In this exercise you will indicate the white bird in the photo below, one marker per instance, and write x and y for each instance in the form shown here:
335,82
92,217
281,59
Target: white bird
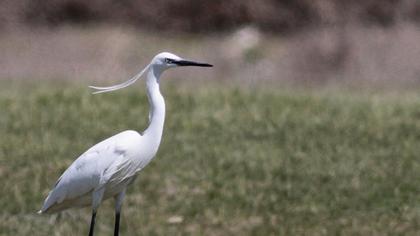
106,169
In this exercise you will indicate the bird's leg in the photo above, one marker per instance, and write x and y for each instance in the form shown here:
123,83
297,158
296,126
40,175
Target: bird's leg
118,204
117,224
96,200
92,223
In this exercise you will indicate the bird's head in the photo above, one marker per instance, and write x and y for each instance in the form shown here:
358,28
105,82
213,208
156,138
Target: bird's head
166,60
159,63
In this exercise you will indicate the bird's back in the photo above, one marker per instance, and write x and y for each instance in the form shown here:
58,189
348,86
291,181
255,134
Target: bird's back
105,165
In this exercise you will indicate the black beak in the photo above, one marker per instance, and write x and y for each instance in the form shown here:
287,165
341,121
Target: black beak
191,63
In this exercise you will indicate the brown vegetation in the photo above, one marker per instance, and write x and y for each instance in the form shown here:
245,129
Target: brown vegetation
208,16
303,40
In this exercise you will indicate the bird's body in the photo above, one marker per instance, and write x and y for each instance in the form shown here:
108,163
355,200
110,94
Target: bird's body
111,164
106,169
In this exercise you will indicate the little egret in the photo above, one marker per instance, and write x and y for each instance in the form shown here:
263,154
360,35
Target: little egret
106,169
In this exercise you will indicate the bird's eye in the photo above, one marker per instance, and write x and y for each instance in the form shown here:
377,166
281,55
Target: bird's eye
169,61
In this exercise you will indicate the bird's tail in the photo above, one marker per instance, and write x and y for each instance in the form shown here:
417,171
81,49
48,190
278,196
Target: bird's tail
45,207
49,201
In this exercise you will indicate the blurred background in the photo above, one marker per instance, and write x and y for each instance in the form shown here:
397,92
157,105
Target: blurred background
272,40
309,123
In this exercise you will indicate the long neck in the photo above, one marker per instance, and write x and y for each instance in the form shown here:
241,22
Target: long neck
157,107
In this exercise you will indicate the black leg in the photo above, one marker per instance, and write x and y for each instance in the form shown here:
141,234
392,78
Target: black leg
118,204
92,223
117,224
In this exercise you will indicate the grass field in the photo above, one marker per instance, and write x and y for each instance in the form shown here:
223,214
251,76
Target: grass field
233,161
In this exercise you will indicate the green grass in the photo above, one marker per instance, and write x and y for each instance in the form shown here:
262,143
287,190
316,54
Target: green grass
233,161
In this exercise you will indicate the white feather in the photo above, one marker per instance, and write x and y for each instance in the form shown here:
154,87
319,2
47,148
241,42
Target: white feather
107,168
105,165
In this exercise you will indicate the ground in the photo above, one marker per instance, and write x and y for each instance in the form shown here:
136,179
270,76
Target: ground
234,160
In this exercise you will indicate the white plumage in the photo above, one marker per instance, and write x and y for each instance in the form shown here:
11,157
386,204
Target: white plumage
106,169
110,164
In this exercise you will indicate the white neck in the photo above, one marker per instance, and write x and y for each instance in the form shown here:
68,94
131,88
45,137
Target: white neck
157,107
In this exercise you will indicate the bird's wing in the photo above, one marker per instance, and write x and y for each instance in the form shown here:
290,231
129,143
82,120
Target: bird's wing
92,169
